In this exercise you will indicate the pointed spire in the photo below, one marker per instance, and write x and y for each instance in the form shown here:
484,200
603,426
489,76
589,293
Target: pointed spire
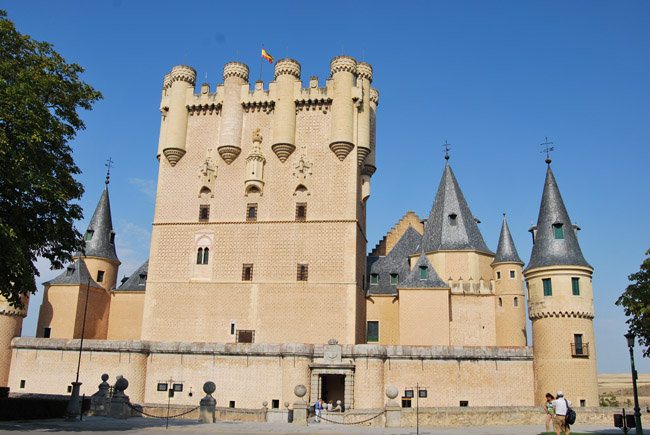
451,224
555,239
506,251
100,237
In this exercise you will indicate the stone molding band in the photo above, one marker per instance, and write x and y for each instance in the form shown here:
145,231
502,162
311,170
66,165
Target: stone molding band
577,314
287,67
235,69
323,221
183,73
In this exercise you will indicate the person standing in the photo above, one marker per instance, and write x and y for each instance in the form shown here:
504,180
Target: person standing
560,407
549,411
318,408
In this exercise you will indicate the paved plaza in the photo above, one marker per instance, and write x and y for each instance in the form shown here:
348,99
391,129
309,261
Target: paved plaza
152,426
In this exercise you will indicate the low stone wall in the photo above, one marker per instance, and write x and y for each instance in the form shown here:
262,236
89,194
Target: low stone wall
239,414
161,411
360,417
495,416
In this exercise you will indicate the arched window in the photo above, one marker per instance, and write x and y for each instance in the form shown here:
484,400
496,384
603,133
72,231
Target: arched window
516,302
206,255
199,256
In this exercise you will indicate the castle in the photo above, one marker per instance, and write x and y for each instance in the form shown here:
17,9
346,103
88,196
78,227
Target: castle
260,211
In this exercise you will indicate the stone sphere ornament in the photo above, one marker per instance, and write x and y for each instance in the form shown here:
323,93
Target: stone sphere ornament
300,390
104,377
286,404
121,384
209,387
265,404
392,392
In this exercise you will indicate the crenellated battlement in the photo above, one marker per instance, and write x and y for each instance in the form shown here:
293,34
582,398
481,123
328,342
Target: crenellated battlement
235,69
287,67
471,287
364,71
343,64
182,73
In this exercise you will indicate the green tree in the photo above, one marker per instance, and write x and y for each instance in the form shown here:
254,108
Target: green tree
636,303
39,96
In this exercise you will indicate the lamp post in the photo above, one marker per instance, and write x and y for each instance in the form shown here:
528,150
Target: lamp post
637,411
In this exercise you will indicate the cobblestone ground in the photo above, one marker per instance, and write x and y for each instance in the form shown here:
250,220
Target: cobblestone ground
153,426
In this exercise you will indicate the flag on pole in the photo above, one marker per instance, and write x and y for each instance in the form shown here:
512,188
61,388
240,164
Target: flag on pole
267,56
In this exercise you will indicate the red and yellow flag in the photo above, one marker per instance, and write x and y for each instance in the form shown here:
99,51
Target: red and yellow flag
267,56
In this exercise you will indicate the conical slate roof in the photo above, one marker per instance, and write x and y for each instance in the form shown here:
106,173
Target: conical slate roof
451,224
102,243
414,278
137,282
547,249
506,251
397,261
76,273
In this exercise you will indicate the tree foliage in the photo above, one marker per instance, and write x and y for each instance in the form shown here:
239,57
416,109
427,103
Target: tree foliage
636,303
39,96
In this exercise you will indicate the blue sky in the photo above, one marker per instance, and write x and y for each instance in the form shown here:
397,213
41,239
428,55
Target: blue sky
494,78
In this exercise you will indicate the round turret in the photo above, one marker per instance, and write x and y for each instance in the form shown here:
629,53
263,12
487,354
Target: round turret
287,67
182,80
343,70
235,75
183,73
364,71
374,96
343,64
235,69
287,73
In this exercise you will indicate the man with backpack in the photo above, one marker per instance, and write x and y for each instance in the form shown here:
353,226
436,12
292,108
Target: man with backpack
562,407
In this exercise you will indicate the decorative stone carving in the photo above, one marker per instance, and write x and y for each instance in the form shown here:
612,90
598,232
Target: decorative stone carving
228,153
283,150
302,170
341,149
364,71
343,63
167,81
374,95
235,69
173,155
183,73
362,153
208,175
255,165
332,352
287,66
368,170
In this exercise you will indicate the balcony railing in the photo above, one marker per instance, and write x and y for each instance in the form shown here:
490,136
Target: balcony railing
580,350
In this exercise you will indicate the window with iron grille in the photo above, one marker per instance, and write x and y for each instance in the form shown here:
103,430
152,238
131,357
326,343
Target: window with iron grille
245,336
247,272
301,211
372,331
204,213
303,272
251,212
578,348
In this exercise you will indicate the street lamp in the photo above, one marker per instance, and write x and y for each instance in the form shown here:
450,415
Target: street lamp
637,411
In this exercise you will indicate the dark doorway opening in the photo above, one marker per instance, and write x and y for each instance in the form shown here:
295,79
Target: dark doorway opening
332,388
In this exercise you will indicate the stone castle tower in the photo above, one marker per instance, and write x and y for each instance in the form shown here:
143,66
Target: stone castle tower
11,325
561,305
259,227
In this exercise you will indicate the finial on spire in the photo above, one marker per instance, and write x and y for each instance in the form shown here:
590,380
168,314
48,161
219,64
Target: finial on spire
109,165
447,148
547,149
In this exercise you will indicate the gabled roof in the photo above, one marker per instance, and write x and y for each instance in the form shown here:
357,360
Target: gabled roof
101,226
75,273
397,261
137,282
441,232
547,250
506,251
414,280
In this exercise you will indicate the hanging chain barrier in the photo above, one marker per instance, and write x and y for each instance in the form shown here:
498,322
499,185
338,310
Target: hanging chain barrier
163,417
354,422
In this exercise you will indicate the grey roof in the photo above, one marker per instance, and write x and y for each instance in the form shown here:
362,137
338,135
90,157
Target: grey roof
75,273
102,227
547,250
439,233
137,282
397,261
506,251
413,279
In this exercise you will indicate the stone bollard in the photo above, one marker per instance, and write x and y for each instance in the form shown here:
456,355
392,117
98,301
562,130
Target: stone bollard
100,402
208,404
119,402
74,409
393,410
300,406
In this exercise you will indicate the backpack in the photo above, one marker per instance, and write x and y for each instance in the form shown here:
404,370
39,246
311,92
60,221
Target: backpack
570,414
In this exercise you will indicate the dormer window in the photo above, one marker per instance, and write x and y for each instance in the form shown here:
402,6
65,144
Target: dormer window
394,278
89,235
112,238
374,278
142,279
69,271
423,272
558,231
453,219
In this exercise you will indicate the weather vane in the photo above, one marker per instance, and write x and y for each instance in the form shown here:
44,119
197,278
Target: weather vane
547,149
447,148
109,165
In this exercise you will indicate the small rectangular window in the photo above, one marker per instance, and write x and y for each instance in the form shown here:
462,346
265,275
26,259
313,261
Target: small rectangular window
515,302
548,289
453,221
22,383
247,272
583,403
394,278
575,284
558,231
275,404
89,235
204,213
464,403
513,275
231,404
69,271
498,274
245,336
142,279
69,388
251,212
372,331
100,276
112,238
232,328
303,272
577,338
374,279
301,211
47,332
406,403
423,272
